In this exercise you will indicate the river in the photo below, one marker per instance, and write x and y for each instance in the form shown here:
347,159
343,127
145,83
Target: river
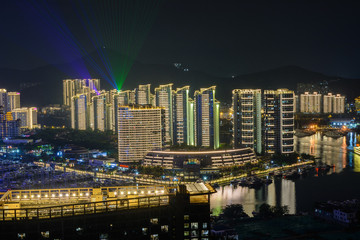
342,183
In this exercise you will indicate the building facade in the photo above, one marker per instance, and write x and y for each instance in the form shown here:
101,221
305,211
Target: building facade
13,100
27,115
246,104
143,94
310,102
279,121
72,87
183,115
140,129
79,112
206,118
164,99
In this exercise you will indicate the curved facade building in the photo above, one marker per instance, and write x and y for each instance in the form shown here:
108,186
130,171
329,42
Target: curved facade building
206,159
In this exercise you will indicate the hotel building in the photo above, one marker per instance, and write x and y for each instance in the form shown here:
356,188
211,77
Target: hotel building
164,99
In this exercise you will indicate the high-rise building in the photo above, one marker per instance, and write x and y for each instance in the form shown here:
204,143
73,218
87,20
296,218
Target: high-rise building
206,118
334,103
163,97
246,104
27,116
140,129
98,113
339,104
183,117
279,121
13,100
72,87
79,112
9,128
310,102
143,94
4,100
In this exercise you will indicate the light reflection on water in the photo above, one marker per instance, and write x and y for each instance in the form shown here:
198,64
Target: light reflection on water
282,192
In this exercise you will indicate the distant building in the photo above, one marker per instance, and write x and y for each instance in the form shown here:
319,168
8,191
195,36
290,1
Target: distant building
357,104
9,128
183,117
334,103
98,113
140,129
72,87
143,95
13,100
310,102
27,115
279,121
164,99
79,112
246,104
4,100
206,118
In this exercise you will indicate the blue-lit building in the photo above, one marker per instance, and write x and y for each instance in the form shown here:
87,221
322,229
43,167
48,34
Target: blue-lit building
206,118
343,122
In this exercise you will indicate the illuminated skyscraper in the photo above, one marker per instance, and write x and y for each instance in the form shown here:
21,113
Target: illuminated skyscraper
4,100
163,97
72,87
246,104
143,95
98,113
140,129
183,117
206,118
310,102
9,128
79,112
27,116
279,121
13,100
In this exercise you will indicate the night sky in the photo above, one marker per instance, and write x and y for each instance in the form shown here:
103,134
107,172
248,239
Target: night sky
222,38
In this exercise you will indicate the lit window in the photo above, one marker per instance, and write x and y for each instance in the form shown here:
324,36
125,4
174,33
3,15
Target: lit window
194,225
154,237
194,233
154,220
186,217
45,234
165,228
205,233
186,225
186,233
204,226
144,231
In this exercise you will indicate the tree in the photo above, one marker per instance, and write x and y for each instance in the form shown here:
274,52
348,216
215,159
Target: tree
234,211
265,211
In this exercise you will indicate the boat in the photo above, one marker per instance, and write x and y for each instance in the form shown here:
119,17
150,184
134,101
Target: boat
333,134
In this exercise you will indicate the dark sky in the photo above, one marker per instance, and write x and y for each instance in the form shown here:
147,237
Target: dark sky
223,37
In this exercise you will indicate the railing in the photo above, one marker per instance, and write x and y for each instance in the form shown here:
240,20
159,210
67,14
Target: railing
79,209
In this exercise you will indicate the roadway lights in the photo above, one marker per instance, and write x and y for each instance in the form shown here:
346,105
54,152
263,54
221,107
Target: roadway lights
25,196
122,193
53,195
67,195
74,194
32,196
18,196
60,195
156,191
149,192
38,196
134,192
142,192
81,194
129,192
162,191
115,193
87,194
46,195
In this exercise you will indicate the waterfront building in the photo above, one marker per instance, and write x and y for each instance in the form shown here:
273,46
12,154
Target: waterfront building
143,94
206,118
310,102
279,121
27,115
192,164
72,87
140,129
79,112
334,103
357,104
183,116
13,100
164,99
117,212
246,104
